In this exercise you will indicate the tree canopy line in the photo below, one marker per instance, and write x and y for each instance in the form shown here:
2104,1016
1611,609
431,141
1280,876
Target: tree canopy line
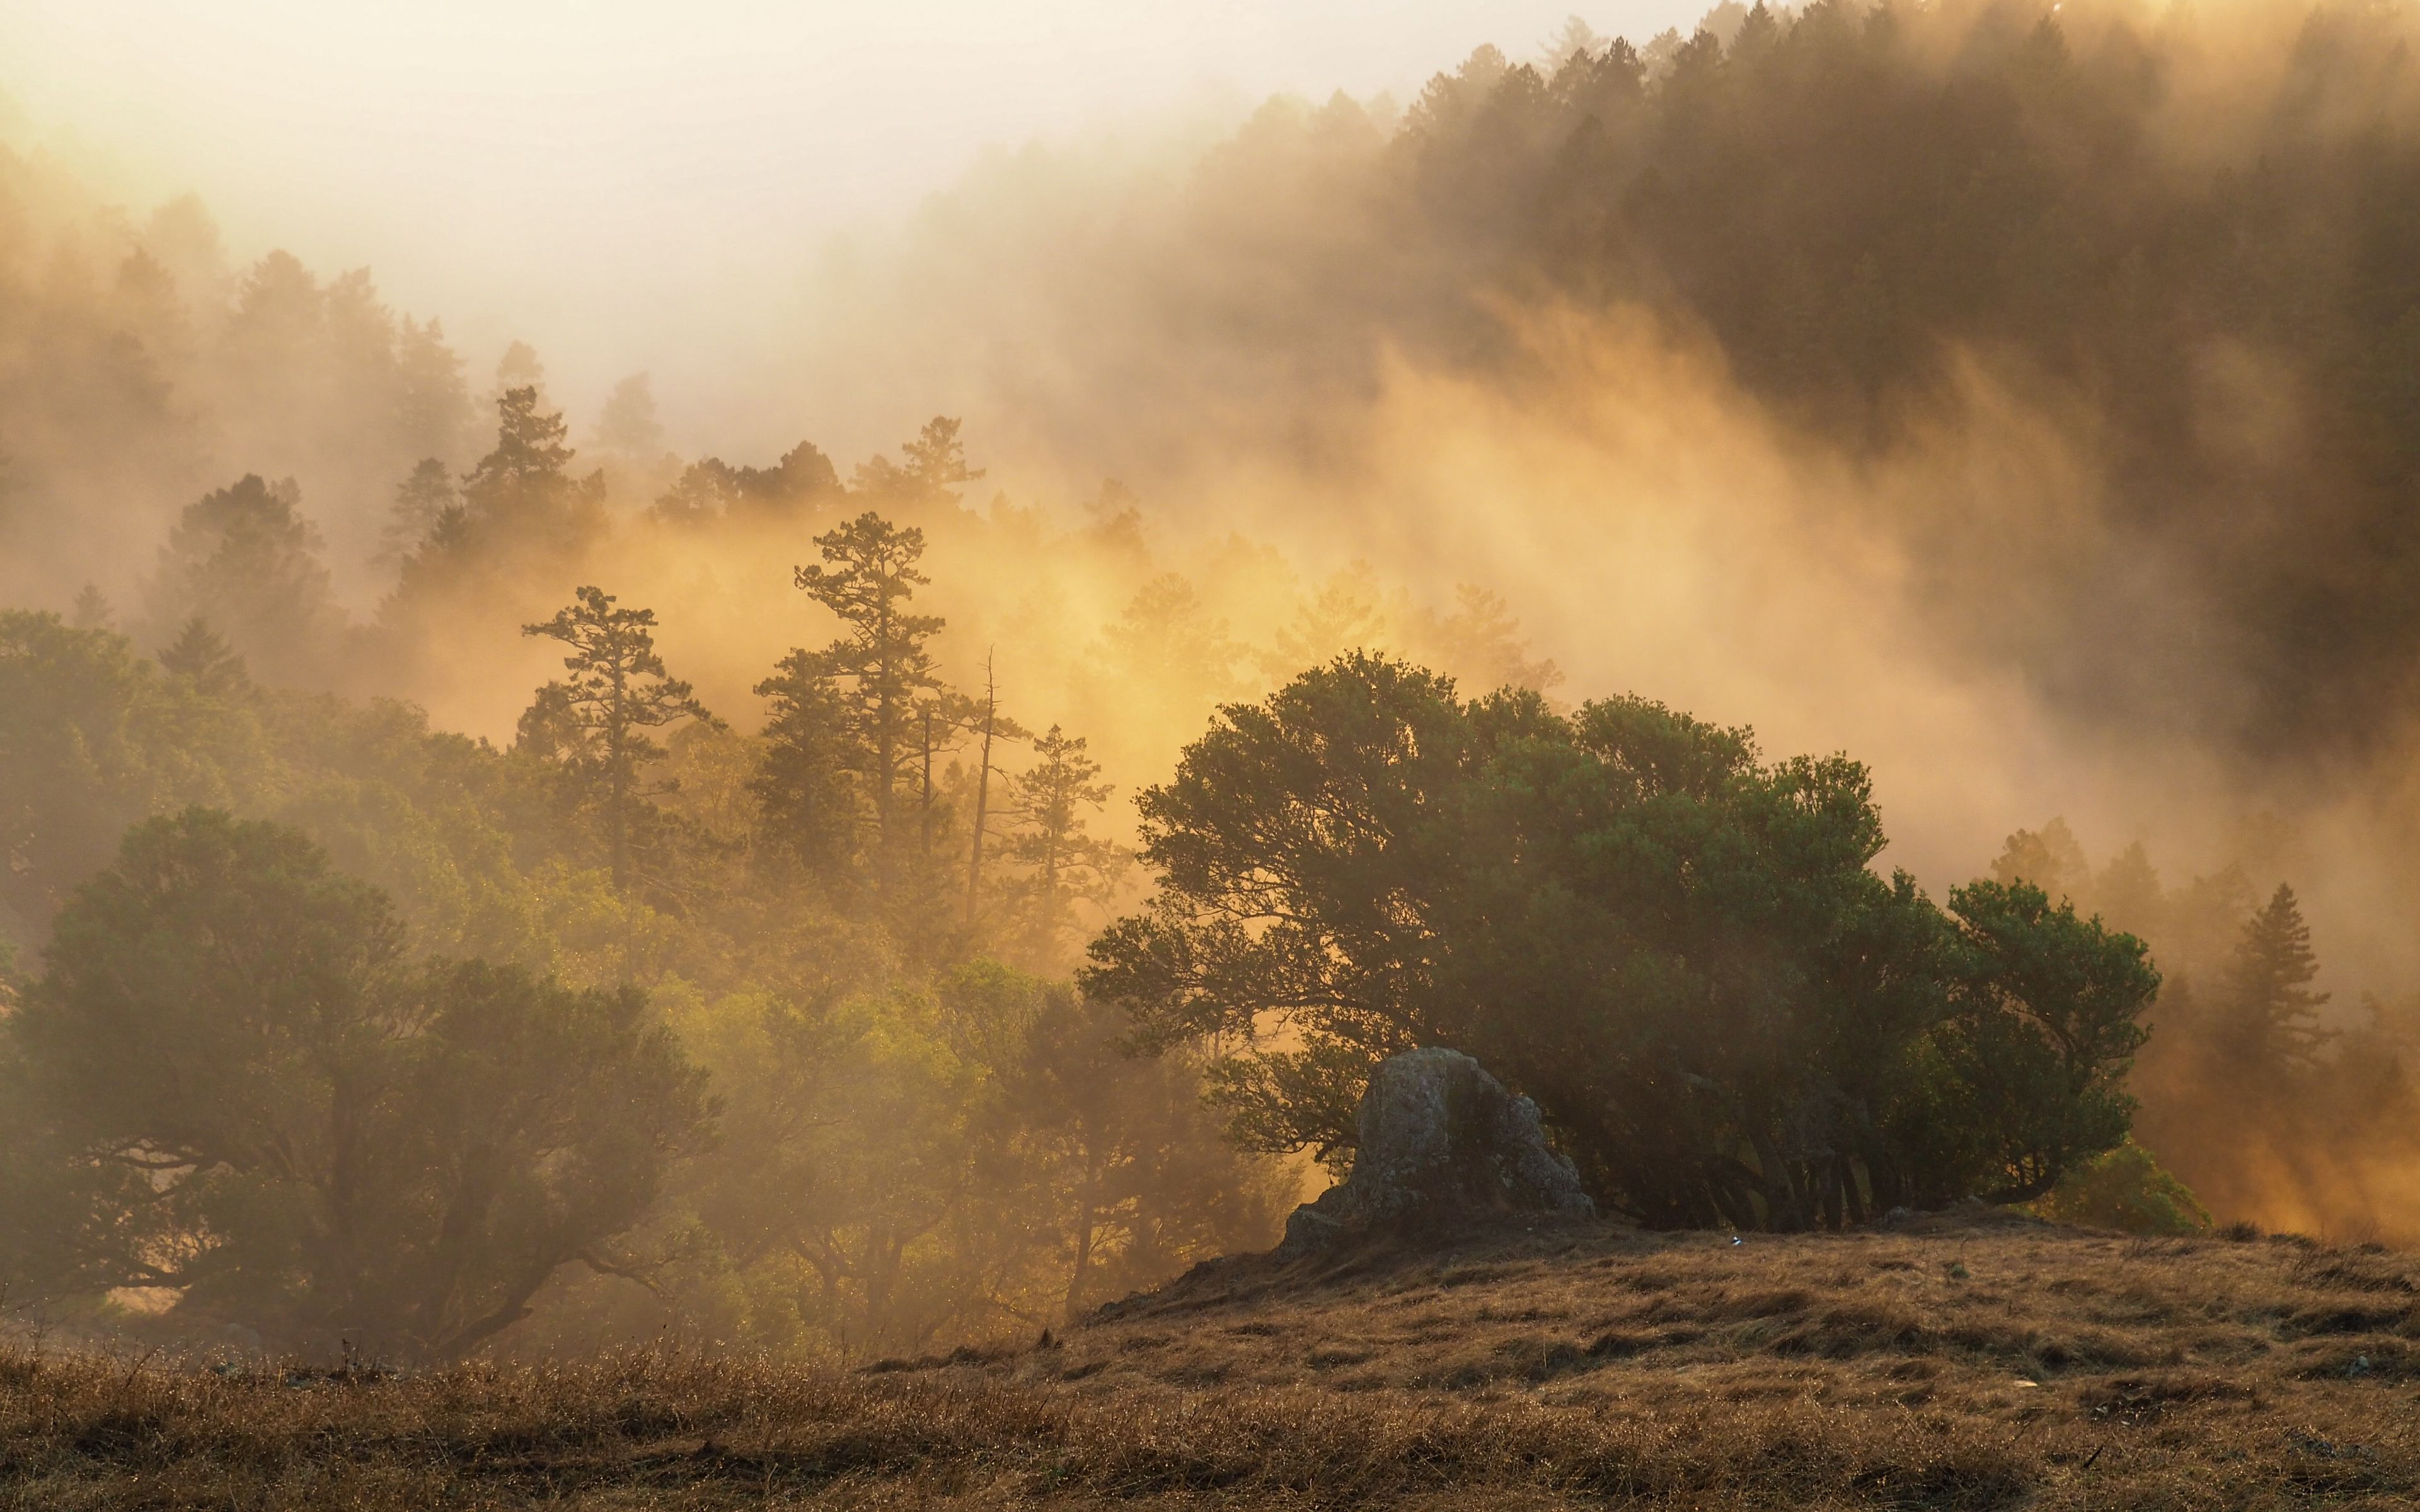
849,1109
2122,292
1679,950
2172,220
648,1019
757,1019
2264,1099
2175,236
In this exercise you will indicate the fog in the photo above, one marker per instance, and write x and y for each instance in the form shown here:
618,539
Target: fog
627,186
2018,399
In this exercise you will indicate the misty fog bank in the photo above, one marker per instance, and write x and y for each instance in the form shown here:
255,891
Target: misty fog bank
2023,404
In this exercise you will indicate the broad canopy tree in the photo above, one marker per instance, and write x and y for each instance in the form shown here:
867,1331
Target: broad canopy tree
230,1071
1679,949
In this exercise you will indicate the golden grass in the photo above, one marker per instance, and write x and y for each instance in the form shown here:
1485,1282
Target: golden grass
1990,1363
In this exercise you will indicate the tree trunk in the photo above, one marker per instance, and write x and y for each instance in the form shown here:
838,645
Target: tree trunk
983,793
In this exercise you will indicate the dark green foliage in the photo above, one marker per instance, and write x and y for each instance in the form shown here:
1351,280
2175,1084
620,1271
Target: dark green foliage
596,725
2044,1009
875,671
809,784
270,1112
1677,950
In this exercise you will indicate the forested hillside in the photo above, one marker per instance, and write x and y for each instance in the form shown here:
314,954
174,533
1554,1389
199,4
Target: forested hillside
483,873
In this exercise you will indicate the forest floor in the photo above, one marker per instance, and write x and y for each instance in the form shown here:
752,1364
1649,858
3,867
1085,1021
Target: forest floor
1978,1362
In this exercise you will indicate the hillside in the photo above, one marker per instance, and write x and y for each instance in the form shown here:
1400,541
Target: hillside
1979,1362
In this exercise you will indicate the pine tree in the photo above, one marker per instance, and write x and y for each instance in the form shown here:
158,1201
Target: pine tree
1480,643
520,368
929,469
2270,1019
879,666
246,559
627,424
808,786
93,610
520,497
935,460
433,404
703,492
1053,795
420,500
618,692
529,461
199,656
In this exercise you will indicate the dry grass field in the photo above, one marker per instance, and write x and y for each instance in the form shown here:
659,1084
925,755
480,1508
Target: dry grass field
1983,1363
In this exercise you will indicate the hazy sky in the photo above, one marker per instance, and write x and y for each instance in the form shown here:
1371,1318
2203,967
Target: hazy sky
564,169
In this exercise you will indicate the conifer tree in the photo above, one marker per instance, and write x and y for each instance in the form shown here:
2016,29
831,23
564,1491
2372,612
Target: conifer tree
93,610
246,559
807,786
627,424
529,460
879,664
421,500
2271,1016
433,404
2050,858
618,692
1054,794
199,656
930,468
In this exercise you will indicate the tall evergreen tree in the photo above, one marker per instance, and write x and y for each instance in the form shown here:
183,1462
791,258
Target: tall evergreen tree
2270,1025
930,469
1053,794
808,786
879,664
529,463
246,559
627,424
618,692
93,610
434,404
201,658
421,500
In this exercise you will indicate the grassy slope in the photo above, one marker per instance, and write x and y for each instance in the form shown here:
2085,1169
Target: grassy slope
1982,1365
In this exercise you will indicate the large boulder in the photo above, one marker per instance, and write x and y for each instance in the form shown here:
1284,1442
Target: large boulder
1443,1147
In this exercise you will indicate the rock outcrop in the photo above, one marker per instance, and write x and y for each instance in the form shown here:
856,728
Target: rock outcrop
1443,1147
